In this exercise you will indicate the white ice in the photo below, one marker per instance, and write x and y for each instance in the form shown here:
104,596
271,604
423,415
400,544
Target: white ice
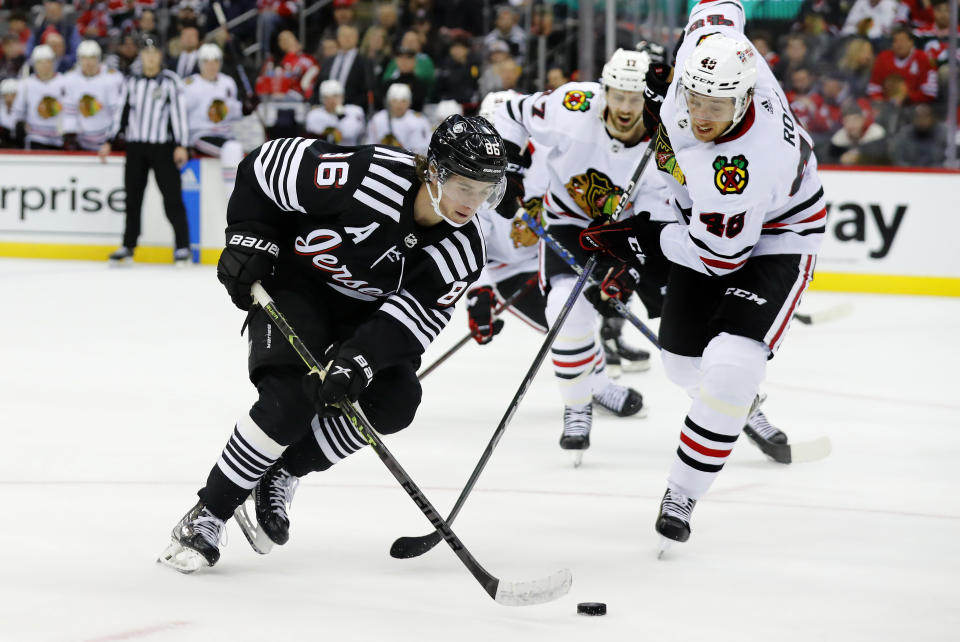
119,387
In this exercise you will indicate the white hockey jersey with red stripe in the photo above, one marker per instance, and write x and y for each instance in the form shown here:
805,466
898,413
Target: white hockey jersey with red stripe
753,191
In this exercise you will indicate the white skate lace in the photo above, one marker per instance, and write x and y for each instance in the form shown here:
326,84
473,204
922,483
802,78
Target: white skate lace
576,423
759,423
210,528
612,397
677,505
282,487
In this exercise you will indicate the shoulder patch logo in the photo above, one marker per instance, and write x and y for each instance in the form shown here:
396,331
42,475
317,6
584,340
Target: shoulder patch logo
666,159
576,100
410,240
731,176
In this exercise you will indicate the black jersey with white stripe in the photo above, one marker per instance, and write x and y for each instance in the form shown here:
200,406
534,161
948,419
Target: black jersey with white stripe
343,218
153,110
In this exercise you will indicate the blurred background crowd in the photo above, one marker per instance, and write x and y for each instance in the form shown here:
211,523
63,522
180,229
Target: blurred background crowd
869,79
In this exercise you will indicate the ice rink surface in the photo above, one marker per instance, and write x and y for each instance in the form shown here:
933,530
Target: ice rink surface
119,387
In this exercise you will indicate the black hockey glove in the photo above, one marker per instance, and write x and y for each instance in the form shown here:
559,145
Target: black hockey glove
348,374
70,143
481,306
626,241
657,52
657,82
249,256
602,305
620,282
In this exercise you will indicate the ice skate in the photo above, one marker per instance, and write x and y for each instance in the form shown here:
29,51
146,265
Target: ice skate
771,441
673,522
181,257
271,498
620,400
195,541
576,431
626,357
614,366
121,256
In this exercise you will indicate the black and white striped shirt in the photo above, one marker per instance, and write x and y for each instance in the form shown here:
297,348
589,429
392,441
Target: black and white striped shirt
154,110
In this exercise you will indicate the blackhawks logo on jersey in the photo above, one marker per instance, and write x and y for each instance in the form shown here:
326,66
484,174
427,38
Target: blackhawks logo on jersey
89,106
666,159
391,141
331,135
576,100
731,176
594,193
217,111
49,107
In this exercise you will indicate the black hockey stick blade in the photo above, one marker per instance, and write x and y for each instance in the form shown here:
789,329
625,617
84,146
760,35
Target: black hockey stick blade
404,548
830,314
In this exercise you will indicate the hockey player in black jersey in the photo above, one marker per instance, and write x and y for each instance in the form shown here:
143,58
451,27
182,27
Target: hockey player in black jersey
366,250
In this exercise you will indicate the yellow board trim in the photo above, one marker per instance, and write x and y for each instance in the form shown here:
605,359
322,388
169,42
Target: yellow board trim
886,284
96,252
823,281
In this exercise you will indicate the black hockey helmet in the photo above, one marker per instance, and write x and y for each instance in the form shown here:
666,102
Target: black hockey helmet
470,147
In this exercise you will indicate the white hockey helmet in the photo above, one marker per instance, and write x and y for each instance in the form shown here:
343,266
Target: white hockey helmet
9,86
490,102
42,52
331,87
88,49
209,51
444,109
722,67
626,70
399,91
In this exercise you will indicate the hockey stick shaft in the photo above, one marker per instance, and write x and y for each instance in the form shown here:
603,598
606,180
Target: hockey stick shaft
489,583
569,259
411,547
463,341
241,72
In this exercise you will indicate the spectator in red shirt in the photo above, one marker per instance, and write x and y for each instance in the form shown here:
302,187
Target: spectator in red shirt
916,13
276,15
17,25
804,102
762,41
835,92
904,60
293,78
935,36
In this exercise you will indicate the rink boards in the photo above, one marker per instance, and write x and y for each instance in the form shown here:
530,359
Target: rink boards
889,230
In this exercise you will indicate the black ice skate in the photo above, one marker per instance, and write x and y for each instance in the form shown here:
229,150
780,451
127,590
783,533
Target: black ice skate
619,400
272,497
195,541
771,441
576,431
121,256
181,256
626,357
673,522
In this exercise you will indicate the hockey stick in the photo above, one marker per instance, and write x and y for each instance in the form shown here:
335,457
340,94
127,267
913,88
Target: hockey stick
507,593
462,342
568,258
830,314
406,547
241,72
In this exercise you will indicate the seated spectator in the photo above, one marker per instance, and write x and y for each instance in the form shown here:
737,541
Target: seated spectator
375,49
859,141
556,77
857,64
462,15
64,60
188,14
17,26
332,120
348,67
490,80
832,12
804,102
423,68
918,14
13,57
126,56
430,42
276,15
387,19
908,62
922,142
509,72
458,73
328,48
146,25
293,78
93,21
404,65
835,92
54,21
398,125
795,54
934,38
184,52
763,43
871,19
507,30
8,120
890,111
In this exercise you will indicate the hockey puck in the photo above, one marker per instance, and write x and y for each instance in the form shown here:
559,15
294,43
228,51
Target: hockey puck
591,608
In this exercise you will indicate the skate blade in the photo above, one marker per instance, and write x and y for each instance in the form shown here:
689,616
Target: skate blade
251,530
614,372
665,545
635,366
120,263
182,559
577,458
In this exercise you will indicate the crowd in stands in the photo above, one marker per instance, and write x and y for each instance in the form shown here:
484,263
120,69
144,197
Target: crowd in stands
867,78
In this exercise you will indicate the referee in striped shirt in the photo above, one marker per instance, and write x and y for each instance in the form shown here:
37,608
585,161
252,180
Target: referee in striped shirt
153,119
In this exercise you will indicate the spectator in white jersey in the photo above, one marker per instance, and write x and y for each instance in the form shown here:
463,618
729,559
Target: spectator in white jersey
152,117
212,106
334,121
398,125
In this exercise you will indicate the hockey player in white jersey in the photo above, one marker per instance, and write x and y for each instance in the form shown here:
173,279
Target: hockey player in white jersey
213,106
8,121
333,121
596,137
93,92
398,125
751,214
40,103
